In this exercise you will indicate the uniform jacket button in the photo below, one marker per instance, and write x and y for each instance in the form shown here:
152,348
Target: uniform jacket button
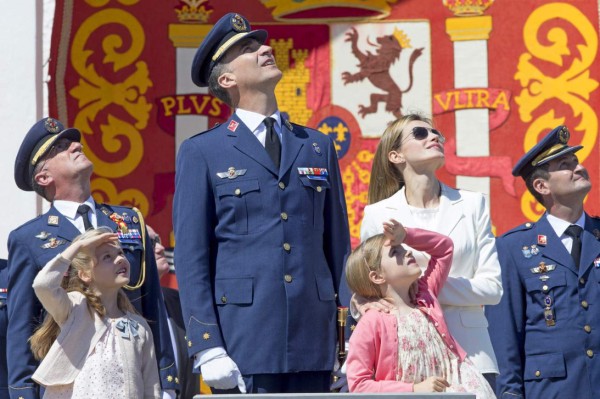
287,246
287,278
223,299
538,373
282,185
590,353
584,304
587,328
284,216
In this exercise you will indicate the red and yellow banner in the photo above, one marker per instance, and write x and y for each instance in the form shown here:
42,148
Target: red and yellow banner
496,76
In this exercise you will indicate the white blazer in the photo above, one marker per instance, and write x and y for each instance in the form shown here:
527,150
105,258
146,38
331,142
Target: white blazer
474,279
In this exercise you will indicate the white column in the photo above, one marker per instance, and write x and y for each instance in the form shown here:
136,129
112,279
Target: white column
186,38
470,35
21,103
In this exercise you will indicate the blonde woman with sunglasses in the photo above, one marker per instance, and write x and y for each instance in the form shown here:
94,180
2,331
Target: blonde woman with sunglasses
404,187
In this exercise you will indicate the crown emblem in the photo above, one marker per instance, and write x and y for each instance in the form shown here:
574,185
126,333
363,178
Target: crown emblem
193,11
468,8
344,9
402,38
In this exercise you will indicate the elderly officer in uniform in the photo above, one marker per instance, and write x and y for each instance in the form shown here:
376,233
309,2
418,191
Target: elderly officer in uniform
546,329
51,162
261,228
3,326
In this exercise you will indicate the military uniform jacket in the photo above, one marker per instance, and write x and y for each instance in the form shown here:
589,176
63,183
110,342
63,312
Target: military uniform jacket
546,329
259,251
3,326
35,243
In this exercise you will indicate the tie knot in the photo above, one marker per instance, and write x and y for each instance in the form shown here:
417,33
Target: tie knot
269,122
83,209
573,231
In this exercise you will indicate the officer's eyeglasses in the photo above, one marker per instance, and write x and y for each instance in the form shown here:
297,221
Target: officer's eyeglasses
422,132
58,147
155,240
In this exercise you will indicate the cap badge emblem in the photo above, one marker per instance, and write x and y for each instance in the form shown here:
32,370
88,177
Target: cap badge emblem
51,125
564,135
238,23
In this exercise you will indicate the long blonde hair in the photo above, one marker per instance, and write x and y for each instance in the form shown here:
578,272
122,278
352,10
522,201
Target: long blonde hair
363,260
45,335
386,179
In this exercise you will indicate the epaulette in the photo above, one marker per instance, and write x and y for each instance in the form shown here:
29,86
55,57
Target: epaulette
522,227
205,131
29,222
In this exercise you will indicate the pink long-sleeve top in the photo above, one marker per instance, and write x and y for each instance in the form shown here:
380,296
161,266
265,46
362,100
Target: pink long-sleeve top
372,364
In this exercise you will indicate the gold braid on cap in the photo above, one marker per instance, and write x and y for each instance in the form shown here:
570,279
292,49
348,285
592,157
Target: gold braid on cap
228,44
550,151
142,277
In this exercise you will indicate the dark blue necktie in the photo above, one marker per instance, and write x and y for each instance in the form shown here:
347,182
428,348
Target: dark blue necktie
272,143
574,232
84,211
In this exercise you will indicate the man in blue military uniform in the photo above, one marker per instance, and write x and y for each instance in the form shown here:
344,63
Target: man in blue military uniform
545,331
261,229
3,326
51,162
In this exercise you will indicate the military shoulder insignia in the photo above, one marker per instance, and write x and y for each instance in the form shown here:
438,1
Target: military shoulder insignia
231,173
43,235
232,126
52,243
53,220
542,268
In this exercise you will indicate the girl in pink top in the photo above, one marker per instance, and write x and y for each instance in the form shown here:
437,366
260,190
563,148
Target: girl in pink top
410,348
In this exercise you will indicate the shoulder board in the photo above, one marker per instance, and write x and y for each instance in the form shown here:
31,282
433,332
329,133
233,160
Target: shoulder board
217,125
523,227
35,219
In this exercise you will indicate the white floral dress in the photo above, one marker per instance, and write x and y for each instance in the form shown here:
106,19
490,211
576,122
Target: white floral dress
422,354
102,375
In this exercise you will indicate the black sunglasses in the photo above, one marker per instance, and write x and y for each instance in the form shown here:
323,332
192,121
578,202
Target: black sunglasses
422,132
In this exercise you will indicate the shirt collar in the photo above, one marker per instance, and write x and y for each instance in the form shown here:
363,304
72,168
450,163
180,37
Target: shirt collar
560,225
254,120
69,208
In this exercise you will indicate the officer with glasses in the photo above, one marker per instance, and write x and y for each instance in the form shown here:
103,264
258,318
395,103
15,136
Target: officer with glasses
51,162
546,329
404,187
